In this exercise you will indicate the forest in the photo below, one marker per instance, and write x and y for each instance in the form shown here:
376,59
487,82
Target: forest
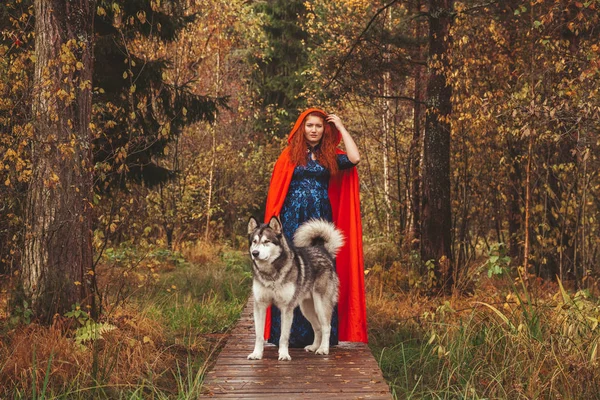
137,137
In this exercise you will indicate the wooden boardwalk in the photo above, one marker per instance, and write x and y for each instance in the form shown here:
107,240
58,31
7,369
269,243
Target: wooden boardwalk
348,372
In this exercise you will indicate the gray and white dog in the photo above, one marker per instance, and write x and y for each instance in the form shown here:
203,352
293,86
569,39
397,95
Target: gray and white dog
289,275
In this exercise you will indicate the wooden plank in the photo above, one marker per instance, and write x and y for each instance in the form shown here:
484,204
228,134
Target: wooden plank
349,371
332,396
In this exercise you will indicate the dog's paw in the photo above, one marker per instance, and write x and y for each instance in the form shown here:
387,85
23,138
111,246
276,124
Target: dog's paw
311,348
322,350
285,356
255,356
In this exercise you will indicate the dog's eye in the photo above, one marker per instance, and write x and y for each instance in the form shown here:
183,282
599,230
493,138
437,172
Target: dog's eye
255,241
266,241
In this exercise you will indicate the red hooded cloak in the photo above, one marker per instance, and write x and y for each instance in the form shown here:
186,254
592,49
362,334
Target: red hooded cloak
345,206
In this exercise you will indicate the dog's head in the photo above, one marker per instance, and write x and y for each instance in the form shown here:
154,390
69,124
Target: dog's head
265,240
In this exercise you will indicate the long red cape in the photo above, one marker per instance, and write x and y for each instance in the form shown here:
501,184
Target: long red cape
345,205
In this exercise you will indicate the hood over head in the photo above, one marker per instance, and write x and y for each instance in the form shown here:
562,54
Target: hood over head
298,126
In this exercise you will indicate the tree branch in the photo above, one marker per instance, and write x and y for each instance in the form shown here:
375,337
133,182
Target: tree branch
404,98
355,44
475,8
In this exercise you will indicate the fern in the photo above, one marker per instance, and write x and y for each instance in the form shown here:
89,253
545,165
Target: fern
92,331
89,330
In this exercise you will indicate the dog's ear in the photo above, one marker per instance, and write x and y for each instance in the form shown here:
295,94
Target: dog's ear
252,224
275,224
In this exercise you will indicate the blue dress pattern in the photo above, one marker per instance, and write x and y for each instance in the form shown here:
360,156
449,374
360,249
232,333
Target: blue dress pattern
307,198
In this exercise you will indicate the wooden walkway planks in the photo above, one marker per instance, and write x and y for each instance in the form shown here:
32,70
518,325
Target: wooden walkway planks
348,372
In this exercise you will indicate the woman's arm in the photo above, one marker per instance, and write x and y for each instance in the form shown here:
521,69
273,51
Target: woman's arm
351,148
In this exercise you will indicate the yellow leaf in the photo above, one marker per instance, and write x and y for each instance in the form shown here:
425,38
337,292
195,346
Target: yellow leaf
441,351
77,283
432,338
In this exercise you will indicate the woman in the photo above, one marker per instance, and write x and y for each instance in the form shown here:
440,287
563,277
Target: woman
314,179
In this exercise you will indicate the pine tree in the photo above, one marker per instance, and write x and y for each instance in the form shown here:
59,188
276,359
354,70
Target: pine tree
278,77
136,111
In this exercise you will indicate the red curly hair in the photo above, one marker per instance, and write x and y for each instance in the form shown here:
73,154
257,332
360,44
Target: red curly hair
326,155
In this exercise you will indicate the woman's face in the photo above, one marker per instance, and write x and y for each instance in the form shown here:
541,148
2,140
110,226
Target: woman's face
313,129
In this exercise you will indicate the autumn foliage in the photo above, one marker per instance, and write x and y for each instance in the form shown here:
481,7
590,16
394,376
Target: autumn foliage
490,121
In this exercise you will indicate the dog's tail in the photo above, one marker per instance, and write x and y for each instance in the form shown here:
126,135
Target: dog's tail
319,232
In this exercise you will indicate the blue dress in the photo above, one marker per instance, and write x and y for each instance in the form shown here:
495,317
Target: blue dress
307,198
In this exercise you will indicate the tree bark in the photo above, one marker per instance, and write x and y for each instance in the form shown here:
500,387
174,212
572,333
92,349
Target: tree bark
514,145
385,123
436,213
415,148
57,270
514,148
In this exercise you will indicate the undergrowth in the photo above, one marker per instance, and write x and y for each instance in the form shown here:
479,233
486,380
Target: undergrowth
506,340
165,316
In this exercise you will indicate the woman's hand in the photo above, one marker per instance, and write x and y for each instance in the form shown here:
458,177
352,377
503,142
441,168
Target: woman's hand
351,149
337,121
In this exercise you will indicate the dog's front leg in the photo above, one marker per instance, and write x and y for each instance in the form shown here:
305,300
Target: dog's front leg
260,314
287,316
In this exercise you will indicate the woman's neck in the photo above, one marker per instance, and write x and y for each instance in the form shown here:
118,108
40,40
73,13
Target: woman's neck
311,149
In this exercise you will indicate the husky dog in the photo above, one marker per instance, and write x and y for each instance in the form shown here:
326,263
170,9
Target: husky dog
290,275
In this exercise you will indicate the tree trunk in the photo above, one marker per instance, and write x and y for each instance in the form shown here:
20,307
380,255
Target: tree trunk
514,148
415,150
57,265
385,120
527,222
514,145
436,212
211,173
213,152
386,116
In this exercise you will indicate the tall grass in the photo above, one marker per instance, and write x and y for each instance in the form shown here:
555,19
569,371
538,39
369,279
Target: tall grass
499,344
171,313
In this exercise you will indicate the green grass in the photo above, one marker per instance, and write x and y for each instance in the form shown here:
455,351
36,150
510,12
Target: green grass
167,332
199,299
